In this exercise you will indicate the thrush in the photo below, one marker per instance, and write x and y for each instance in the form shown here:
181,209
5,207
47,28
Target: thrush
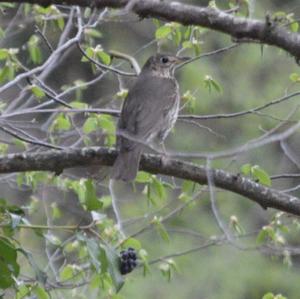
148,114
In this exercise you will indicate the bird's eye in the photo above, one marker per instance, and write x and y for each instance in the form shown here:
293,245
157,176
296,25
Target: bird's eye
164,59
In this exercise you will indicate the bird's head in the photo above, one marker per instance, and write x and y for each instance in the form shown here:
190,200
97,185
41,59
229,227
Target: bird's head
163,65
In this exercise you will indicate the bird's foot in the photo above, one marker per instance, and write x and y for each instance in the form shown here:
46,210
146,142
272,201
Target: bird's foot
164,157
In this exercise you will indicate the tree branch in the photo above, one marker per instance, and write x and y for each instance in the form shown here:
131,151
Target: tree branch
58,160
265,32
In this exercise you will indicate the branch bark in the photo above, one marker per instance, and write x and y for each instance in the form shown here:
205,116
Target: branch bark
58,160
266,32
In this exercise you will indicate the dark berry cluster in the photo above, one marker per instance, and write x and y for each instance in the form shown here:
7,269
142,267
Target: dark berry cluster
128,260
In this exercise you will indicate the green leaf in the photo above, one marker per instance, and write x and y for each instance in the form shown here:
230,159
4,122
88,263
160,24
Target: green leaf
105,259
67,273
3,54
261,237
216,86
6,279
187,44
4,73
122,94
187,33
37,91
184,197
93,32
156,22
60,23
267,232
56,212
7,5
163,32
8,263
246,169
261,175
34,50
8,252
87,12
161,229
294,77
159,188
197,50
35,54
173,265
20,144
165,270
133,243
45,10
61,123
178,36
11,72
167,267
190,101
210,84
91,200
272,296
143,255
268,296
104,57
114,267
107,124
89,52
106,201
71,246
95,282
143,177
94,253
79,105
188,186
40,292
23,291
234,222
294,26
3,148
90,125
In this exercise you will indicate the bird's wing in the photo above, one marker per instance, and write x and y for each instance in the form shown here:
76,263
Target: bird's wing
145,106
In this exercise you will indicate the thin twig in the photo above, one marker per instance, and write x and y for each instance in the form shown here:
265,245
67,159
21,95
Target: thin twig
42,35
29,140
103,66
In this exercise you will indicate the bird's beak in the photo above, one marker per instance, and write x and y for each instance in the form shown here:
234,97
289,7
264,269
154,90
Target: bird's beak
181,61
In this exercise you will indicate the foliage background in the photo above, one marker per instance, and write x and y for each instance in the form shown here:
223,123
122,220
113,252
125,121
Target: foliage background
249,76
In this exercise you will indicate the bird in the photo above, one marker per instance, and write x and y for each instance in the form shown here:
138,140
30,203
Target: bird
149,112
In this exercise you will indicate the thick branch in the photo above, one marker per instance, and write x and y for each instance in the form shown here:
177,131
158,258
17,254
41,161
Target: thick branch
58,160
265,32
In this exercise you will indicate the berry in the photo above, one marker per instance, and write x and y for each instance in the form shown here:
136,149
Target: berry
124,269
124,255
132,255
127,260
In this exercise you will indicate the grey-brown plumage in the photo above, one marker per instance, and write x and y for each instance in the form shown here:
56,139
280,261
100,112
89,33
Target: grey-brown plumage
149,112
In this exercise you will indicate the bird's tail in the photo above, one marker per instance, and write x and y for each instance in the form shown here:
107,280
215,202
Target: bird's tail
126,165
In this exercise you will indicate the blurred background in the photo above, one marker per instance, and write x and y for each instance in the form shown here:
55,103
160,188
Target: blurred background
238,79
